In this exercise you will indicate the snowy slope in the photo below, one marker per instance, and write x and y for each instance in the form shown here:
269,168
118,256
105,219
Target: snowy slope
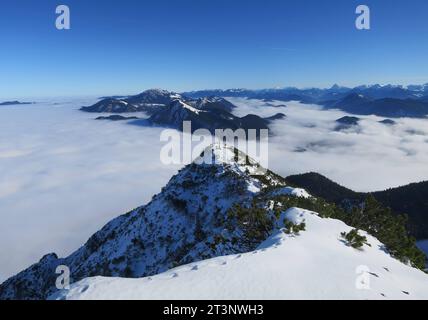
313,265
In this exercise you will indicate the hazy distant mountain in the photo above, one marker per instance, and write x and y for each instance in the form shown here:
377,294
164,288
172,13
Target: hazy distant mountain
387,91
333,93
411,199
14,103
117,117
267,94
111,106
381,100
353,100
113,97
347,123
387,107
388,122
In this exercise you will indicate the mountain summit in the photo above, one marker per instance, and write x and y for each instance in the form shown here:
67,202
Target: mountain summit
186,222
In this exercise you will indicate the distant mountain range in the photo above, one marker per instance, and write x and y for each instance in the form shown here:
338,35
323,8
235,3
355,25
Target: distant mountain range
14,103
381,100
411,199
336,92
386,100
170,109
386,107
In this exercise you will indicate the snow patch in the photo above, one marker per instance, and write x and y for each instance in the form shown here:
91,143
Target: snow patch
289,191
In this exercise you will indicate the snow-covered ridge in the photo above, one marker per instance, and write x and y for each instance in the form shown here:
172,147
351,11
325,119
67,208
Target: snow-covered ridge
313,265
186,222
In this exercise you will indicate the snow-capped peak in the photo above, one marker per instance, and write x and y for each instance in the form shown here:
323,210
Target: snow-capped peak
221,153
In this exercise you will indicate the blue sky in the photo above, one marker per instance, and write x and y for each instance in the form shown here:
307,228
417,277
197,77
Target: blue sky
124,47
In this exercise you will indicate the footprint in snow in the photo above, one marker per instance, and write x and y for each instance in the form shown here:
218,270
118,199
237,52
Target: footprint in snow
405,292
175,275
374,274
224,263
195,268
239,256
386,269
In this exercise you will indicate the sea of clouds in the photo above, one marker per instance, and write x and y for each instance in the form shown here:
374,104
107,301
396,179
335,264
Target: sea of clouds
370,157
64,175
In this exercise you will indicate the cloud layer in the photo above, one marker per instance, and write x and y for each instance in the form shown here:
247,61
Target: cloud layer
64,175
370,157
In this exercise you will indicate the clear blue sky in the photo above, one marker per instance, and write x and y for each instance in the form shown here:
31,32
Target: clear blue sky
126,46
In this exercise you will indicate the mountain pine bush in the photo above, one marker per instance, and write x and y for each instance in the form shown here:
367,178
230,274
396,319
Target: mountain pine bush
292,228
372,217
388,228
256,223
354,239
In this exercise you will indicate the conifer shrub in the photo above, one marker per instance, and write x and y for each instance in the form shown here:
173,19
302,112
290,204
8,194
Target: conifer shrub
292,228
389,229
255,222
354,239
372,217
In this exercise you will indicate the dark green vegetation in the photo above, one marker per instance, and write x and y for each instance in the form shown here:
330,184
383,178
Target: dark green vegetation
255,222
370,216
411,200
293,228
354,239
388,228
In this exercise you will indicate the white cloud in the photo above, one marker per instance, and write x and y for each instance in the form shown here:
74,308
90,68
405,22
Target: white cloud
64,175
